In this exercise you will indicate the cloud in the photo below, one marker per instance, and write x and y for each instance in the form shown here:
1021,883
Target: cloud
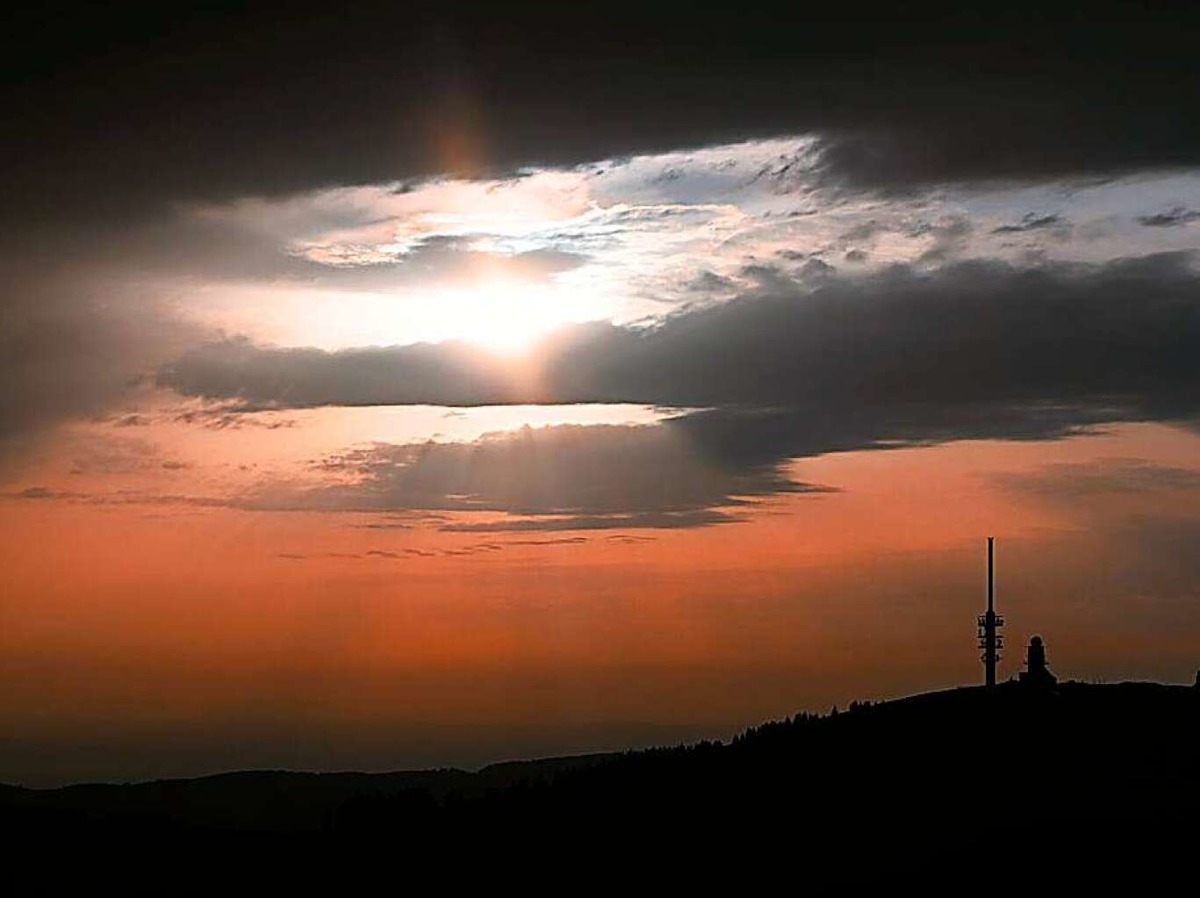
1171,218
405,92
458,552
222,418
341,239
90,311
659,520
44,492
116,497
435,374
882,356
793,368
565,477
71,345
553,478
1100,477
1033,221
934,136
132,420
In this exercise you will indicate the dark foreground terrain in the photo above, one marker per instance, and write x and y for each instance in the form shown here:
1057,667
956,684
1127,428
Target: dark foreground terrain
961,790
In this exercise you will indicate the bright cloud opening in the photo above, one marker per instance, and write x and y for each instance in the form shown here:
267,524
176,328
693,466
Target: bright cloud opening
502,316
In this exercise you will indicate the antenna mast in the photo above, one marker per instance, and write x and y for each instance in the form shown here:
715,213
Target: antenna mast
990,642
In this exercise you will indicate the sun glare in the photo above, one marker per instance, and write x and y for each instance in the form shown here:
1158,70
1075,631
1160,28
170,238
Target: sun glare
501,315
505,316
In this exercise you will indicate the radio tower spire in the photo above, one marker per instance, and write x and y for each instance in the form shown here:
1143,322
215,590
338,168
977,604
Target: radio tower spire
990,642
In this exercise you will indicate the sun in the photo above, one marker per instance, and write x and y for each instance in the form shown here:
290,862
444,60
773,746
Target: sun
506,316
501,315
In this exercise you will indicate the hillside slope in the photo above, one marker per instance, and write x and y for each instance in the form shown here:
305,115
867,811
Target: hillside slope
1088,785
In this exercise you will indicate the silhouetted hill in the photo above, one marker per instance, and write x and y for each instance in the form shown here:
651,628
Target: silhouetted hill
272,800
1091,785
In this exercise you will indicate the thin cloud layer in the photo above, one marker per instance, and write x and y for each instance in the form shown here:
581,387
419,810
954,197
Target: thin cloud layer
1100,478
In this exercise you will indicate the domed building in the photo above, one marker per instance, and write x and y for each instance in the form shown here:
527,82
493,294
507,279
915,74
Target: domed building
1036,673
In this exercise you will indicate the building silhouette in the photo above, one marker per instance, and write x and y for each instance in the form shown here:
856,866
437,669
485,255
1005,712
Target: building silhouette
1036,673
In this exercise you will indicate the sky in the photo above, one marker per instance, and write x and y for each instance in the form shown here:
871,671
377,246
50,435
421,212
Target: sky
384,389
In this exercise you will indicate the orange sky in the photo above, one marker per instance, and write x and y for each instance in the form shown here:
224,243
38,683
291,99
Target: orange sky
195,635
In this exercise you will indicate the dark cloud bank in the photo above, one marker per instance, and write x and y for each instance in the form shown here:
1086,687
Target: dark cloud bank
972,350
1055,345
69,344
116,109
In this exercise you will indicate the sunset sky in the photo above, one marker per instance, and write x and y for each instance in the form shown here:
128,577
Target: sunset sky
385,389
